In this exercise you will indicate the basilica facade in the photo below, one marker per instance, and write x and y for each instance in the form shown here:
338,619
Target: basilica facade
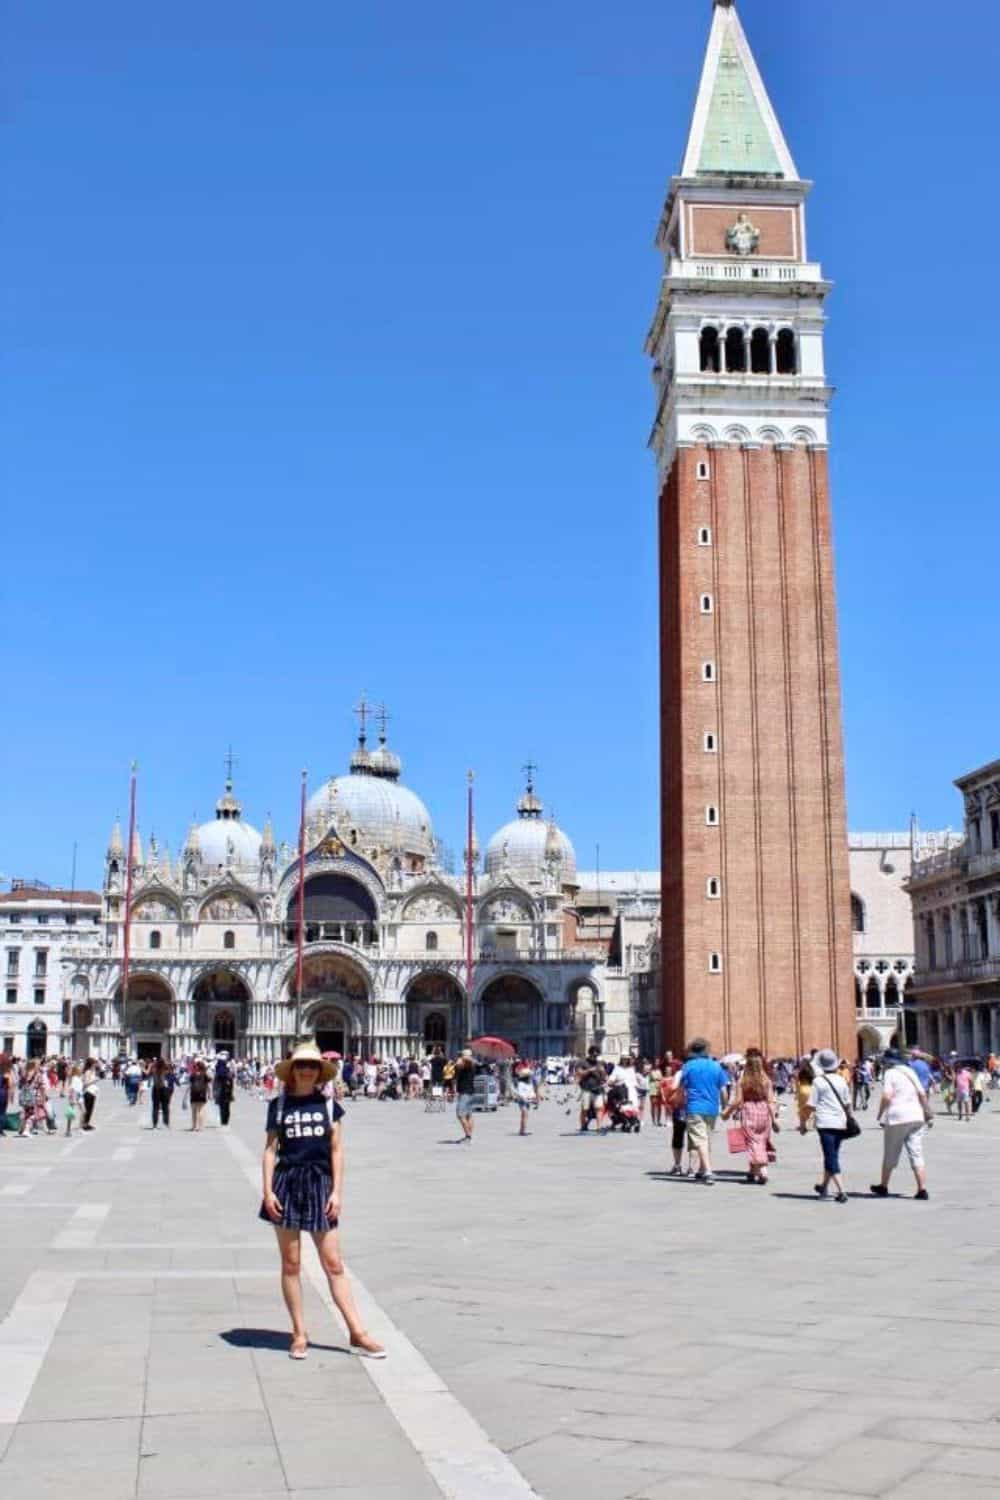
214,935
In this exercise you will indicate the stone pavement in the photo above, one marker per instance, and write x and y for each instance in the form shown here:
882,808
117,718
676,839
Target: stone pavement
561,1317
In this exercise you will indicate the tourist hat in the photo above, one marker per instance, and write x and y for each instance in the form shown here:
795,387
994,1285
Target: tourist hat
827,1060
305,1052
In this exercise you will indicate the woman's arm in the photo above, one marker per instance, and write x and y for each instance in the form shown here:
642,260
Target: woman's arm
271,1203
337,1171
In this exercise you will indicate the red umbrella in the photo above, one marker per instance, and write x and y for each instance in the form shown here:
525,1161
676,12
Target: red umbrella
493,1047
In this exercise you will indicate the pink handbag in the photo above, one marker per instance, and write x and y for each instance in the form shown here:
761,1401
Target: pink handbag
737,1138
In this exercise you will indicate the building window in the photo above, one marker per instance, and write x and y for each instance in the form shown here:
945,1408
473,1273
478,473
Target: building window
13,962
708,671
787,353
41,963
12,997
39,997
713,888
715,963
42,919
154,939
857,913
704,536
703,470
760,352
71,919
711,743
15,916
431,942
995,829
736,351
706,604
229,940
8,1045
712,816
711,353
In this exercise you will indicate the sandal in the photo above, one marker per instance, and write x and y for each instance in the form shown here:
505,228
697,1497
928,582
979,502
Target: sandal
299,1348
366,1346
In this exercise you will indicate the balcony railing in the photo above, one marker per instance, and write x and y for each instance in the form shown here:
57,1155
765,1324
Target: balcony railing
746,270
969,971
354,934
887,1013
987,863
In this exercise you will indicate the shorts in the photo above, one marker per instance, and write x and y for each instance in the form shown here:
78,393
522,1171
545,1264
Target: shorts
830,1142
463,1106
589,1101
699,1127
678,1133
896,1137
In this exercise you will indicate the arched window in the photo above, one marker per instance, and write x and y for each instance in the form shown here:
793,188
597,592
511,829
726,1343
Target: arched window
154,939
787,353
708,671
713,888
229,940
710,351
736,351
712,816
715,963
760,352
704,536
711,743
706,604
857,913
431,942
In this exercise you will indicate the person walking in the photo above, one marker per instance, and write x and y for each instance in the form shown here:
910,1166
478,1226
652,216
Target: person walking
830,1106
198,1095
752,1099
705,1083
804,1080
465,1090
655,1094
303,1182
91,1089
222,1087
524,1093
963,1091
74,1097
161,1090
980,1083
906,1111
593,1081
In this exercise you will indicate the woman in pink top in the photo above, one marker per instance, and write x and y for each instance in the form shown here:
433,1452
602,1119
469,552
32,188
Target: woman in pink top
963,1092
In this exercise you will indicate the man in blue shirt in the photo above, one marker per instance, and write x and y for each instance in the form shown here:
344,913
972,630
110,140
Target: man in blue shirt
920,1066
704,1082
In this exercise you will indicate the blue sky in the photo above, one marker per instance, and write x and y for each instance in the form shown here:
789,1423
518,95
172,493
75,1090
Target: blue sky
324,330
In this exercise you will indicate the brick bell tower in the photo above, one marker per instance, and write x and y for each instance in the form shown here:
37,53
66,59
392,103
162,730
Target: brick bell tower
757,945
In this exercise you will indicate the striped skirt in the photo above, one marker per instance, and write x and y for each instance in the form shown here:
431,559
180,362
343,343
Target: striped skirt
303,1192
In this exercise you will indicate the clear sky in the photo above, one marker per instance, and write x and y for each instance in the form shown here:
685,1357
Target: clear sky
324,374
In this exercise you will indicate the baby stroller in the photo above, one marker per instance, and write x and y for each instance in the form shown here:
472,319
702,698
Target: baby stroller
620,1113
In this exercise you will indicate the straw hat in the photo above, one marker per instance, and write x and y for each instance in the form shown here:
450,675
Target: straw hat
305,1052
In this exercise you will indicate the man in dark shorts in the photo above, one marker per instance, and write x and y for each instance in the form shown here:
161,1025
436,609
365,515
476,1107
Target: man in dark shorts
593,1080
465,1088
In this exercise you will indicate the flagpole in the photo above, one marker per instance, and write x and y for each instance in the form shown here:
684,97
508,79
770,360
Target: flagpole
128,897
468,915
300,936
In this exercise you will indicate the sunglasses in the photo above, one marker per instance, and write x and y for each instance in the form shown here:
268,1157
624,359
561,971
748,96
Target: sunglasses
314,1066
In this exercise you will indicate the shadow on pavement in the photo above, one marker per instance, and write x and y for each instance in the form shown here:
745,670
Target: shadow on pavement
267,1338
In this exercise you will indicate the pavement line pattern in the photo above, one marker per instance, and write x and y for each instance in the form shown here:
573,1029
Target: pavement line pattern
456,1451
26,1334
83,1228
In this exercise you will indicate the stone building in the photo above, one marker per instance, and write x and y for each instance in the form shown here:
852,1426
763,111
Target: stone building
214,934
39,927
754,830
882,923
955,889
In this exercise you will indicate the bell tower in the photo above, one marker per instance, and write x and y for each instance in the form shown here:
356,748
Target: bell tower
757,944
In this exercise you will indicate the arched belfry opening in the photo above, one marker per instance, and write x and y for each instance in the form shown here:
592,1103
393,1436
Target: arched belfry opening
337,909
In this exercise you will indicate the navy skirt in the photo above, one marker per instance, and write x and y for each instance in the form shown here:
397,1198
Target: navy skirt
303,1192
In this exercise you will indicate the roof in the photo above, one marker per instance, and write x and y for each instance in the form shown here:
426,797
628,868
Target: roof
616,882
43,895
735,131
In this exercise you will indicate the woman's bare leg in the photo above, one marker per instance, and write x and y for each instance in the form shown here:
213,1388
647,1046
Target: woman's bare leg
290,1245
328,1249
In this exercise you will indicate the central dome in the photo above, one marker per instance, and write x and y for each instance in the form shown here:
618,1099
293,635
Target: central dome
227,841
371,810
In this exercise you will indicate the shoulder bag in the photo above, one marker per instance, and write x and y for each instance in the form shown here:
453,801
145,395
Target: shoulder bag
851,1126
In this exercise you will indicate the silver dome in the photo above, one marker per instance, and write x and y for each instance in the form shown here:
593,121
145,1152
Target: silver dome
229,841
386,815
519,846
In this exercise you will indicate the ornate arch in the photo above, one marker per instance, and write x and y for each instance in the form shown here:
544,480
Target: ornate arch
737,434
770,435
508,971
218,892
353,1012
805,435
351,868
158,892
283,971
427,969
704,433
135,978
431,888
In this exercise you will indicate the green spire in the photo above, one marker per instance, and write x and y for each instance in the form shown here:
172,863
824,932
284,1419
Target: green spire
736,138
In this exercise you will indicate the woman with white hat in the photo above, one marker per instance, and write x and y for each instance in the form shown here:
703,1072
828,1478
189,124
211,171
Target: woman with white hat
303,1171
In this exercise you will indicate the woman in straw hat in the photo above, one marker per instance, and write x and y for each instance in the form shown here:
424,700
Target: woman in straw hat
303,1182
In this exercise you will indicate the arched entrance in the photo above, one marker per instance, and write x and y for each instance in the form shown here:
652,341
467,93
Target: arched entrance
435,1009
83,1019
869,1041
511,1008
221,1007
337,909
335,994
147,1016
38,1034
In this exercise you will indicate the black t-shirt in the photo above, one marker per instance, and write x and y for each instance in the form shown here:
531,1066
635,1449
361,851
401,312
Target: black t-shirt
465,1076
303,1128
437,1070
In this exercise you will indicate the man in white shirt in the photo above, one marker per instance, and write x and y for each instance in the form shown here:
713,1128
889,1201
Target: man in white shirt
906,1113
